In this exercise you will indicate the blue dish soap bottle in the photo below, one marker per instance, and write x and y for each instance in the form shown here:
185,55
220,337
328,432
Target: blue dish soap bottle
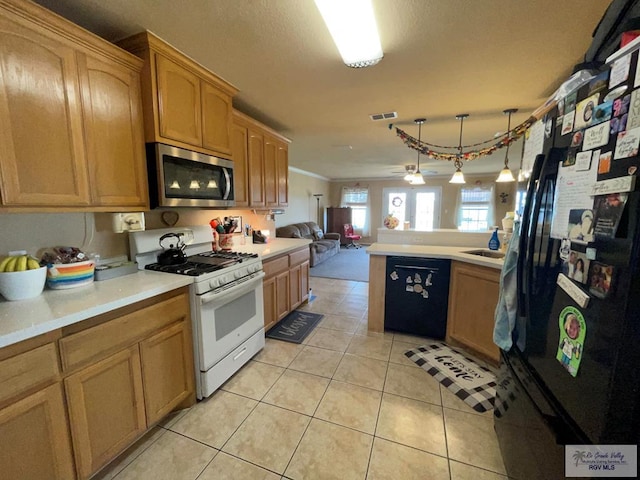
494,241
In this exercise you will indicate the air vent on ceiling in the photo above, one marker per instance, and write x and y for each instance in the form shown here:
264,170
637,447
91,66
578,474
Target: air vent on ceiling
383,116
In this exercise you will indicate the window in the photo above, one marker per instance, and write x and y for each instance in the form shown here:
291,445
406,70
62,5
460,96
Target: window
418,206
475,209
358,199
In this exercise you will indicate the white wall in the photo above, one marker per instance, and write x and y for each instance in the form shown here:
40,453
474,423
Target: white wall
447,203
303,206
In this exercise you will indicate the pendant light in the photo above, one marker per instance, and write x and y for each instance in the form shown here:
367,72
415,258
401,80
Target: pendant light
417,178
505,173
458,177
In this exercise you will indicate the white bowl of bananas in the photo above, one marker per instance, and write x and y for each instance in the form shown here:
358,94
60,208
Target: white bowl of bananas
21,277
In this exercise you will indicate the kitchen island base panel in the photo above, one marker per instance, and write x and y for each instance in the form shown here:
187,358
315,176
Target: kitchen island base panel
377,280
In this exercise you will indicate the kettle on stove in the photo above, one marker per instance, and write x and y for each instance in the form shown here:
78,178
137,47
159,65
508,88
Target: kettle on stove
174,255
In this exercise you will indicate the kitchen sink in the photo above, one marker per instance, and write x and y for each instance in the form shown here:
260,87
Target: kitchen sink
485,253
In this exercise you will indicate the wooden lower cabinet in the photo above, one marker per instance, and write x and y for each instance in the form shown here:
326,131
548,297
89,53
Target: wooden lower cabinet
122,373
106,409
167,370
34,438
282,295
286,284
269,290
298,284
473,296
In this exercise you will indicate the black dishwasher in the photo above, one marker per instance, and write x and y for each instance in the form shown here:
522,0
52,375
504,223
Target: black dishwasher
417,296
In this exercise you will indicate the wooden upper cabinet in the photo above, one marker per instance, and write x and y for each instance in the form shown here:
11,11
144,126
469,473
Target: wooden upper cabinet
42,158
239,147
115,140
256,167
185,105
179,108
70,116
216,119
283,174
261,164
270,171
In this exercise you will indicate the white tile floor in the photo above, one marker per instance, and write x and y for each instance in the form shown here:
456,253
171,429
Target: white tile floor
343,405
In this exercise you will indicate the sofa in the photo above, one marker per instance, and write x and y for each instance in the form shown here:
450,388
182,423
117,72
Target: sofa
323,245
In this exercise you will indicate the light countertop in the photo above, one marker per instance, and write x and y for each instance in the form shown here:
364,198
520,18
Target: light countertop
23,319
276,246
432,251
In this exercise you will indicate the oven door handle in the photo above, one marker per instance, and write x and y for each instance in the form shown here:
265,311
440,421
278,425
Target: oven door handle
230,294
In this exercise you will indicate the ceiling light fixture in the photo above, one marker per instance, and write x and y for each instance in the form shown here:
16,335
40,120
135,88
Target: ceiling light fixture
417,178
505,173
411,169
352,25
458,177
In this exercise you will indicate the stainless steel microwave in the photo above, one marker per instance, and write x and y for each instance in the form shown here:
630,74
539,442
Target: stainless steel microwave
183,178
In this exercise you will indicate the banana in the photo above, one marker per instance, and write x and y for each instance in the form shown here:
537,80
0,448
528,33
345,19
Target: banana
11,265
3,263
21,263
32,264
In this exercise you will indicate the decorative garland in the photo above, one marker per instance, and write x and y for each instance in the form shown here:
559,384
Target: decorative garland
424,147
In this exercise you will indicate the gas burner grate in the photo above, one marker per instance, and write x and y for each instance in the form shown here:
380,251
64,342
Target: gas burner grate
240,256
192,269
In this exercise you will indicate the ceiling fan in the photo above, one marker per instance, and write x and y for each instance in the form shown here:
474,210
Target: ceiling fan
408,170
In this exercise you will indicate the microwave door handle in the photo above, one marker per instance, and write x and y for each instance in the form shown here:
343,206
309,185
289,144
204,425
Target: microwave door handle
227,183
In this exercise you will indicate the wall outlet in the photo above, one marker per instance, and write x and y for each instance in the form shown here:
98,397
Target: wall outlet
127,222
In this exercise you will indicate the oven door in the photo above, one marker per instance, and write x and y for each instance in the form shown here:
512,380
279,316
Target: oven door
225,319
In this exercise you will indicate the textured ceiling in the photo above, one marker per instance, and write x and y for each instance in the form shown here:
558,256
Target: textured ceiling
441,58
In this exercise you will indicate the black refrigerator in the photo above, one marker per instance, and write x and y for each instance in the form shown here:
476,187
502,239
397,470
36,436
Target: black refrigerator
572,375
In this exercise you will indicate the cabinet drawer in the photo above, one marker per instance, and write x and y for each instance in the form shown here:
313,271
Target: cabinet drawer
102,340
276,266
299,256
28,371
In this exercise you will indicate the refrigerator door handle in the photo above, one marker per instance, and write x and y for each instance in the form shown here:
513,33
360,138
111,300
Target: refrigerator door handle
525,235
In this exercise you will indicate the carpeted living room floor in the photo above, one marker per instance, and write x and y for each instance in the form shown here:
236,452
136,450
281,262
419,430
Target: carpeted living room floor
349,264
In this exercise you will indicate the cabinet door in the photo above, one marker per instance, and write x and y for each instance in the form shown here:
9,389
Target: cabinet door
34,438
282,295
114,133
106,409
256,168
167,370
283,174
295,287
270,315
472,303
239,137
216,118
178,102
42,158
270,172
304,281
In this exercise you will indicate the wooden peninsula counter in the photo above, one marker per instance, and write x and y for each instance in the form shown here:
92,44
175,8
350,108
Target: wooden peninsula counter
473,292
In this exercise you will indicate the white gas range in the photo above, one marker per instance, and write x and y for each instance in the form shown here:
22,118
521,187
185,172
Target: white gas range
226,300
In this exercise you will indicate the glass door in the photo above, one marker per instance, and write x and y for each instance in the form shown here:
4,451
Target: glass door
418,206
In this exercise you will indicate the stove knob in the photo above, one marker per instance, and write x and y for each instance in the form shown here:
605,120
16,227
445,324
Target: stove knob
239,274
213,283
